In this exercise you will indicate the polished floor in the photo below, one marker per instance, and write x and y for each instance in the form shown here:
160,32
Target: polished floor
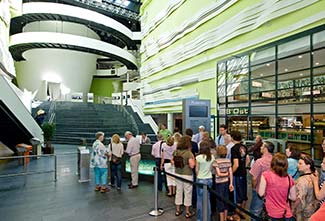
38,198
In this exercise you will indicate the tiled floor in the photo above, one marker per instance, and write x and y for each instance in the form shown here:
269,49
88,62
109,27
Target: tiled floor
39,198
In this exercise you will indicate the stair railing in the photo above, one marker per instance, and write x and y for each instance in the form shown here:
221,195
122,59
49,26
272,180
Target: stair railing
52,112
129,118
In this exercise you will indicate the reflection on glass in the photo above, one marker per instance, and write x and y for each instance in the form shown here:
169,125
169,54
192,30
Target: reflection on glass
319,39
319,57
263,70
294,63
237,76
262,56
237,63
145,167
237,88
294,47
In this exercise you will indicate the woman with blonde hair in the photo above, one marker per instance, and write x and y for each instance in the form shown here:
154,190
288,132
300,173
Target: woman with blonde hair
98,161
116,161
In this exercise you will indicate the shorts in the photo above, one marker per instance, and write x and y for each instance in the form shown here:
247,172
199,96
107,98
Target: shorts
240,186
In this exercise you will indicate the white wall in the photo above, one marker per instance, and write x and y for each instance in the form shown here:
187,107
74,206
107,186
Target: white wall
73,69
60,27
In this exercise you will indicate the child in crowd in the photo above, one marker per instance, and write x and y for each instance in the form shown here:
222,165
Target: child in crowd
224,180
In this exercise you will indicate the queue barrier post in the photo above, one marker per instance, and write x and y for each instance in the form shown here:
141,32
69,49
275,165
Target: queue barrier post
156,211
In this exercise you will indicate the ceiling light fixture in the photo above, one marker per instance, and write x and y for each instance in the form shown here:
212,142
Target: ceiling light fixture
268,64
286,70
300,56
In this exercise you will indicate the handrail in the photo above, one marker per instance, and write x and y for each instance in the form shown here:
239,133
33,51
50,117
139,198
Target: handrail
52,112
129,117
109,7
145,118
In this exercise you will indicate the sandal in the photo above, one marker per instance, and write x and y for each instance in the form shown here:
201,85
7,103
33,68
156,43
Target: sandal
190,214
97,188
104,190
178,213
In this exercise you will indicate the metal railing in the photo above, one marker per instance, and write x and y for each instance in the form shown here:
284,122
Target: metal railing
129,118
25,158
25,164
52,112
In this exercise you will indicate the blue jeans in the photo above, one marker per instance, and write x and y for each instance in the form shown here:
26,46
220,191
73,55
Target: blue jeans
100,176
116,172
199,190
256,204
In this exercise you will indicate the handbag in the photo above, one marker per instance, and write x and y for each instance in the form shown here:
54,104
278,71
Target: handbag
264,214
115,159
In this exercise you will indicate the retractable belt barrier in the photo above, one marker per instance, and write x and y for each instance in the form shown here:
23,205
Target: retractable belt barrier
228,202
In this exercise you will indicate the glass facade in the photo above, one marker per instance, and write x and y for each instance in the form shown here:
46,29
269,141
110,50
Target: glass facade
277,91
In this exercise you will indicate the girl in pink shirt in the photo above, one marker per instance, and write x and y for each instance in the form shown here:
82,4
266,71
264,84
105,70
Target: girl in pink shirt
274,185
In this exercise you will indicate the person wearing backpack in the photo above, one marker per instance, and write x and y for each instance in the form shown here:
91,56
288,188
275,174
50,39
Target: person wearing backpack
184,162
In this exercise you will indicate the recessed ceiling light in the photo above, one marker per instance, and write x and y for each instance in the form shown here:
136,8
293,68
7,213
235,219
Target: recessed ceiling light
316,63
261,75
301,74
268,64
286,70
300,56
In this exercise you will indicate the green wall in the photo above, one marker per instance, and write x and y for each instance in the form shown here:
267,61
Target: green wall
105,87
207,89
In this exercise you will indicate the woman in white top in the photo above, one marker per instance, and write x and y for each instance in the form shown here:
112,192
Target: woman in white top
167,151
203,171
116,161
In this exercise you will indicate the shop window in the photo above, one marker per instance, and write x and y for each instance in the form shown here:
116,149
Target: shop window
237,63
294,47
294,87
319,58
263,70
262,56
294,109
294,63
319,40
319,84
237,76
263,109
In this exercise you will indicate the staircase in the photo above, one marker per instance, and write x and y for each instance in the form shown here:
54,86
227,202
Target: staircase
75,121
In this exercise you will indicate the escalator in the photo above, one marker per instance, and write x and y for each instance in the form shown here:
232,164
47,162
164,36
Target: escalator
16,123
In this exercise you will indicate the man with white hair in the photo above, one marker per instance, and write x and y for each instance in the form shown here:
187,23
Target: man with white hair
133,150
229,144
198,137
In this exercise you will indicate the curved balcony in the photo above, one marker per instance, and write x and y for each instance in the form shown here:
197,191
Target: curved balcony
108,29
19,43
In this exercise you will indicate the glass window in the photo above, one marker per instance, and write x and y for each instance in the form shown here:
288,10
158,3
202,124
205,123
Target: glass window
319,58
263,56
319,40
237,88
294,63
261,110
237,63
263,70
237,76
294,47
319,85
294,108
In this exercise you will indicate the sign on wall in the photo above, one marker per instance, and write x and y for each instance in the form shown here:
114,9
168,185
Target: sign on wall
195,114
237,111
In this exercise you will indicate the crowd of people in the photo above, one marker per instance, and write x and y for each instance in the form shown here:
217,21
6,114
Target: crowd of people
285,186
